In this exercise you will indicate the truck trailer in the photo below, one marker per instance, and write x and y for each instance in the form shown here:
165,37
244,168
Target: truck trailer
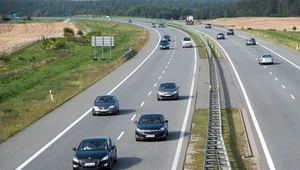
189,20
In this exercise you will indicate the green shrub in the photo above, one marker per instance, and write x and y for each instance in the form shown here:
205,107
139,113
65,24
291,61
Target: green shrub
59,44
79,32
284,29
68,32
272,29
5,58
294,28
249,28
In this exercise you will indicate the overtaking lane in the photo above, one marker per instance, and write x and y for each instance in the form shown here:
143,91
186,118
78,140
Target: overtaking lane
272,90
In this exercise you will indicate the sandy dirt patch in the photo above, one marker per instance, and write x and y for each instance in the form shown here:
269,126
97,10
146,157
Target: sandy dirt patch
15,36
257,22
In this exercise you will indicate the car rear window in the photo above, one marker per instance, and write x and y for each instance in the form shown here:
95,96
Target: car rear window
267,56
187,39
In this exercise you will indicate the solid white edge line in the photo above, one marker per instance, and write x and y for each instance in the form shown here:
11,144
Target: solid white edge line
133,117
255,122
52,141
86,113
120,136
183,128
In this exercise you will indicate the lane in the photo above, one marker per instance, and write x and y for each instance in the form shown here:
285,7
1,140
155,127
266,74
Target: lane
272,91
136,95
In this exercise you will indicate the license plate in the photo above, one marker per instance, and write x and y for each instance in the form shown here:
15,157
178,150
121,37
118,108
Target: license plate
150,136
102,110
89,164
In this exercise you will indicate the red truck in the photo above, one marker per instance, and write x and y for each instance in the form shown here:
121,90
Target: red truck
189,20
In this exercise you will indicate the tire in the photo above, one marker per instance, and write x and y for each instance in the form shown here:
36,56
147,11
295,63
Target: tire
115,161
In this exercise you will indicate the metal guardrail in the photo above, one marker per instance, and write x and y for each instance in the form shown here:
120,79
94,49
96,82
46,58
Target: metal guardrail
215,152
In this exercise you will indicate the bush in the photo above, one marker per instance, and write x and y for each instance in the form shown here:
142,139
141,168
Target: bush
6,18
59,44
68,32
249,28
5,58
284,29
272,29
79,32
294,28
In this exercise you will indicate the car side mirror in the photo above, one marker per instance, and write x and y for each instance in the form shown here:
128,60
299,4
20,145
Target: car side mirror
166,121
135,122
178,87
74,149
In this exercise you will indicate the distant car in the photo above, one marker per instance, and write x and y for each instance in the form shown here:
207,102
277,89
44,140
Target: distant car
167,37
265,59
207,25
162,25
129,21
151,126
110,19
220,36
105,104
187,42
98,152
168,90
250,41
153,25
230,31
164,44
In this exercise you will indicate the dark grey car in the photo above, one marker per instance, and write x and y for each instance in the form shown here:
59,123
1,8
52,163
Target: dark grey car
168,90
230,31
250,41
105,104
220,36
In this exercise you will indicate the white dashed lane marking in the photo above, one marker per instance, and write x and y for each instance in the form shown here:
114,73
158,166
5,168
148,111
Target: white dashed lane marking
142,104
283,86
166,67
163,72
292,97
159,77
120,136
133,117
276,79
155,84
270,72
149,93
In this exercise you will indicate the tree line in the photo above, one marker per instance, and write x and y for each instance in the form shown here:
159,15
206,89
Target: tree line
176,9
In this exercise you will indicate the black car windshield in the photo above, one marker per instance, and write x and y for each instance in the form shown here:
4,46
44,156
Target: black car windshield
167,86
151,119
266,56
105,99
92,145
187,39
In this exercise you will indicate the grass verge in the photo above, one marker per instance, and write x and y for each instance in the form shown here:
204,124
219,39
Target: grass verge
233,134
287,39
28,75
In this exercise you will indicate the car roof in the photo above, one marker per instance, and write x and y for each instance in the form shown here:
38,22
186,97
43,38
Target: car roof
152,114
167,35
169,82
220,34
266,55
103,95
96,137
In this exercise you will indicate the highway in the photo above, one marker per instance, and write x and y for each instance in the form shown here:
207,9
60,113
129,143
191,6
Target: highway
47,144
271,95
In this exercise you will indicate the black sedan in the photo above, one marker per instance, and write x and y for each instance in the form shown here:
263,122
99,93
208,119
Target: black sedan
168,90
250,41
167,37
105,104
95,153
151,126
220,36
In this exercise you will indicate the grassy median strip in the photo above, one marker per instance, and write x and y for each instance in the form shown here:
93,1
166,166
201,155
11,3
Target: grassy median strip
288,39
28,75
233,135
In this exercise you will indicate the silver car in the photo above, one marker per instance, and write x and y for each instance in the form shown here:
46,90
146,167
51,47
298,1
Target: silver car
168,90
265,59
105,104
250,41
187,42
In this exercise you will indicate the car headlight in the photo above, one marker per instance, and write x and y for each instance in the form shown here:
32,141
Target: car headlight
75,159
162,129
96,108
139,130
105,158
160,93
175,92
111,107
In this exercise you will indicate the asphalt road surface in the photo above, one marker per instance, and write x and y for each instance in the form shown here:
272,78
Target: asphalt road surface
271,95
47,144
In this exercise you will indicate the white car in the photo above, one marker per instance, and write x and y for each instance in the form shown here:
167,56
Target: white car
265,59
187,42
